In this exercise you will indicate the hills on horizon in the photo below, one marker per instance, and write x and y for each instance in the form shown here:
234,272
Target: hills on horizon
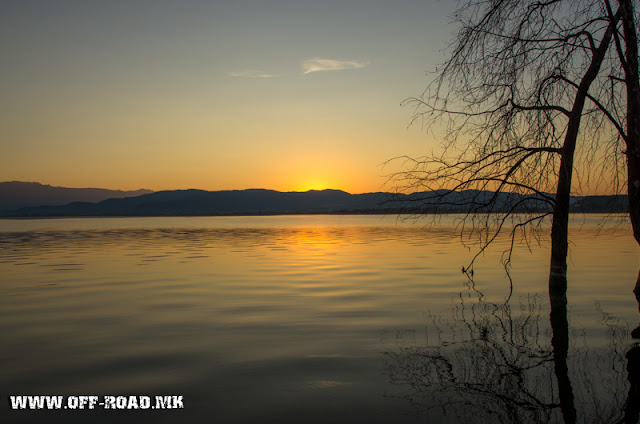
19,194
192,202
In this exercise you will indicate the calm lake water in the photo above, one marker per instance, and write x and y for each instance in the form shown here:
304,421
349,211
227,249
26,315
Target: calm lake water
308,319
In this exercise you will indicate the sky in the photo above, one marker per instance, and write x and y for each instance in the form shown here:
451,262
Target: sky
288,95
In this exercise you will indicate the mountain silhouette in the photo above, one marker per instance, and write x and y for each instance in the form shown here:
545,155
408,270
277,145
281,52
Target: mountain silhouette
194,202
201,202
18,194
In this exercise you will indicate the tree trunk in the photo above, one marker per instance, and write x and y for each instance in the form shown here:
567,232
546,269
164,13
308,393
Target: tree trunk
630,64
560,225
632,81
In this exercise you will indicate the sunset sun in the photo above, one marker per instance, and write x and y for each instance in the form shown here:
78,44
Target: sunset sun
311,185
315,183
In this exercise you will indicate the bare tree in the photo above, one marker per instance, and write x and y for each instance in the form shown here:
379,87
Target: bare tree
529,96
627,49
626,41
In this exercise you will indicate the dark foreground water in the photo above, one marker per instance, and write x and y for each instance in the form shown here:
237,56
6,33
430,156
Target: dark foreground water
309,319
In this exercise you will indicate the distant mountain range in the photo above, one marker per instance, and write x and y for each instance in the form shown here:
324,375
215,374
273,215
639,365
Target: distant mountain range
257,202
18,194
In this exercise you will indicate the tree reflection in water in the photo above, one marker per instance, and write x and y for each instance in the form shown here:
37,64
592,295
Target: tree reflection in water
508,363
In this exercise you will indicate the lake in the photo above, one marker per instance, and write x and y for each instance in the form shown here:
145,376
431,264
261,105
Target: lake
310,319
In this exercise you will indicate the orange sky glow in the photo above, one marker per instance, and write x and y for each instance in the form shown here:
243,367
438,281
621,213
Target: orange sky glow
284,95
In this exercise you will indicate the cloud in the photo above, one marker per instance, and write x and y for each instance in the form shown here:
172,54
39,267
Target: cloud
318,64
250,73
315,64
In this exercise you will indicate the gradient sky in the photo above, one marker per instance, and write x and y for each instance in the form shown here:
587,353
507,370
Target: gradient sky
232,94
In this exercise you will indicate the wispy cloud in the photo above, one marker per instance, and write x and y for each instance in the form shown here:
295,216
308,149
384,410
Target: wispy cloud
250,73
317,64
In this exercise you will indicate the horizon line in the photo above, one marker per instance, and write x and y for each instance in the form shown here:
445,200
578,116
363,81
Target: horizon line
267,189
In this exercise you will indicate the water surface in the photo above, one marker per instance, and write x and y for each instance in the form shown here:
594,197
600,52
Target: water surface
297,319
